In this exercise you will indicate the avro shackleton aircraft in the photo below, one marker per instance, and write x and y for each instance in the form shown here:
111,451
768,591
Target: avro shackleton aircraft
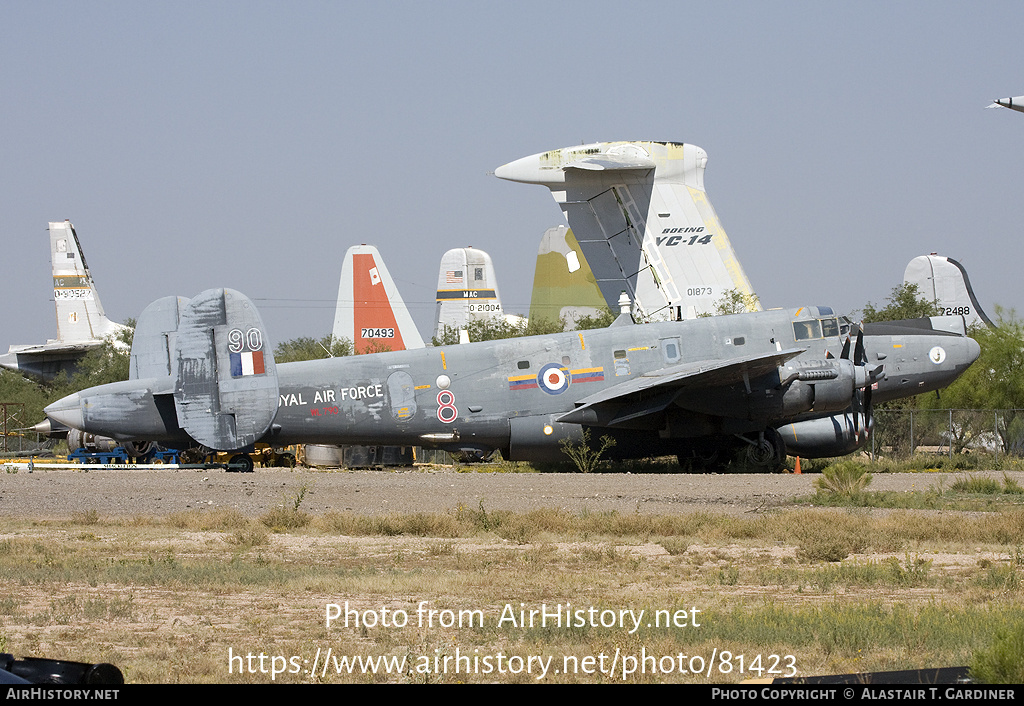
81,323
641,215
203,372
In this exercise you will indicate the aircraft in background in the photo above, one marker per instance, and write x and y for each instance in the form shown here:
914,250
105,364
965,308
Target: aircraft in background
1013,103
370,311
754,380
81,323
564,286
467,290
641,216
944,281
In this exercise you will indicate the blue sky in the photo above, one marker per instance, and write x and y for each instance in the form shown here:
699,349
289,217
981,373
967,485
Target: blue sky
249,144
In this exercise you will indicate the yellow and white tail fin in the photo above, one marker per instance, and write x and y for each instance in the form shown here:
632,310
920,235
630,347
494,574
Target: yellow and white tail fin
564,287
80,317
944,281
370,311
642,218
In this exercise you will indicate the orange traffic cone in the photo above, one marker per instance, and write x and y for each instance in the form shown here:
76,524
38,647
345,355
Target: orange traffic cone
796,471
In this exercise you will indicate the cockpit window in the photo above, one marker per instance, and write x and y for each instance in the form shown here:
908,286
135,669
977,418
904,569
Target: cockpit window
815,328
803,330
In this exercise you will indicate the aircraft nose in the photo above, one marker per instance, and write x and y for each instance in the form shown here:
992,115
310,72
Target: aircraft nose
528,170
973,351
67,411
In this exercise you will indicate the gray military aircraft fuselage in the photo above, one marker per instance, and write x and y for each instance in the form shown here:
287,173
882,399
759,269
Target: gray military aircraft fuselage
773,380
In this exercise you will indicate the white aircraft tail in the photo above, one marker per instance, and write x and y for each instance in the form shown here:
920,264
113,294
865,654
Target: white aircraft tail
80,316
467,290
642,218
370,310
944,281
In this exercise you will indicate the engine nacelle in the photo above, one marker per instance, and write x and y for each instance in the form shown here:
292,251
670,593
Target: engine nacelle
539,438
837,435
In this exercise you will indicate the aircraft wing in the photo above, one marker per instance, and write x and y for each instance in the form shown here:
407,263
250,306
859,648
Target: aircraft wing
654,391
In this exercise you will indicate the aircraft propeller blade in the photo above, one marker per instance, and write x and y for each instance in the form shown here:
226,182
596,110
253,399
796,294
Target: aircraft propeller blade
859,354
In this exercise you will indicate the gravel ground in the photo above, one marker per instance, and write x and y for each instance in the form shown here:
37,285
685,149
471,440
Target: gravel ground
60,493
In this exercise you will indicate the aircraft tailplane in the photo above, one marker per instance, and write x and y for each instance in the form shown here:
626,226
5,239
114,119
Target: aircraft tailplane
944,281
80,316
370,311
564,287
467,290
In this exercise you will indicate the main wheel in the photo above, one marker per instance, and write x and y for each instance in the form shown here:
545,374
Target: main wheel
241,463
768,451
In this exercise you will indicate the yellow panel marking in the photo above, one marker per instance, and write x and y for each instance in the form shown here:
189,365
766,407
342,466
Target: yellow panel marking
422,387
798,311
444,363
582,344
897,345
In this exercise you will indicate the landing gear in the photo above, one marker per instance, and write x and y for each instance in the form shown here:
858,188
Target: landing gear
139,450
767,452
706,459
241,463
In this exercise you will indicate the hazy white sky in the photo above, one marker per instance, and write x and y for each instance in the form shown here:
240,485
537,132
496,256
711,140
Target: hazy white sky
248,144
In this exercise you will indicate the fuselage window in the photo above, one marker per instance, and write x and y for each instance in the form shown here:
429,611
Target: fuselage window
523,365
829,328
739,341
620,354
670,349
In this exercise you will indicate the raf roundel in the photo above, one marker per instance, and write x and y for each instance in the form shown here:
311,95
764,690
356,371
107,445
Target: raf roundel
554,379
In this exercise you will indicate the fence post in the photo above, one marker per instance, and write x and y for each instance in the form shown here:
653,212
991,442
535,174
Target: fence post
911,432
995,430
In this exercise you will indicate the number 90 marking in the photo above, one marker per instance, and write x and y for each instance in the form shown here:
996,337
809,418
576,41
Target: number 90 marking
237,341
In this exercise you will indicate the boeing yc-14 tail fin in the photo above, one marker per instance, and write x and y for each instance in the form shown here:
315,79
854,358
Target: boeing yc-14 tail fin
640,213
81,322
370,310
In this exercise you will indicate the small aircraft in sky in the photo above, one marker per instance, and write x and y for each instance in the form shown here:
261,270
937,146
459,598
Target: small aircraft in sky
203,373
1013,103
81,322
643,220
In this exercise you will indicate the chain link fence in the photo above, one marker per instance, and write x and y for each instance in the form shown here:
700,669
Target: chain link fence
13,439
900,433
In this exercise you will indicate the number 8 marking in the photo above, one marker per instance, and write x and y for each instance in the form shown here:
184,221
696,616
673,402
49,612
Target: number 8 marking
446,410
